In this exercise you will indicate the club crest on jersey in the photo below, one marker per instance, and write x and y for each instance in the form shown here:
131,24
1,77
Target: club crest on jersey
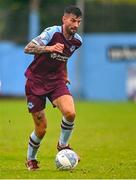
72,48
30,105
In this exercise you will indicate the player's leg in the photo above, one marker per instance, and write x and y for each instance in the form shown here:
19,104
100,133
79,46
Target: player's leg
36,105
37,135
35,139
65,104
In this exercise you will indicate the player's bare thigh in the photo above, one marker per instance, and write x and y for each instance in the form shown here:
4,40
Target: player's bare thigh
65,104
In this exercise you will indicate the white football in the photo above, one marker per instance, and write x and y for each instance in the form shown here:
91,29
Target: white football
66,159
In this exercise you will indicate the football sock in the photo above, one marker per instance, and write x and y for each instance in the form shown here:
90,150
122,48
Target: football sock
34,144
66,130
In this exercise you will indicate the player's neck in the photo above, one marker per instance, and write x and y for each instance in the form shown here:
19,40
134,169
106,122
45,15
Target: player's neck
66,35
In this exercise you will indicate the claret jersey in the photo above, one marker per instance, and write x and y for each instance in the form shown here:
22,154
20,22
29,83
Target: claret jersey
48,70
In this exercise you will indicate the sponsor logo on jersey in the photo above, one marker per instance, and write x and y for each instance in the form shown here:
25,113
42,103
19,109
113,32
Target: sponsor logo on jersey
30,105
59,57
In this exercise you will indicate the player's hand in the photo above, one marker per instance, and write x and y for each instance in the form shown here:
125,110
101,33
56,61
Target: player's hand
58,47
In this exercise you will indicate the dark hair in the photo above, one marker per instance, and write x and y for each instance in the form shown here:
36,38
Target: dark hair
73,10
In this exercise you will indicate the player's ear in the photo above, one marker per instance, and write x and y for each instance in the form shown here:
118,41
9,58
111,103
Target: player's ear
63,19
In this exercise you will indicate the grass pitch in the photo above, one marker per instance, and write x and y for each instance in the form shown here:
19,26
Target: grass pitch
104,136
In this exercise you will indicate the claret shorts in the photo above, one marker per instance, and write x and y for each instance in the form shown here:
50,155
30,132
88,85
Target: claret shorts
37,103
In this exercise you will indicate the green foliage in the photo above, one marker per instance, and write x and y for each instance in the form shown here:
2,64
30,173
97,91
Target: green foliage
14,20
100,16
109,17
116,1
51,12
104,136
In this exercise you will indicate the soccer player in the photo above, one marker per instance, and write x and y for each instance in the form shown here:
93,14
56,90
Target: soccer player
47,78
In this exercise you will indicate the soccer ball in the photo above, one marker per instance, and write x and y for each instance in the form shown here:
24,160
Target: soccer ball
66,159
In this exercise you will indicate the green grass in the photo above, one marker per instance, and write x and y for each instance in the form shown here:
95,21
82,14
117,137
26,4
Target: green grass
104,136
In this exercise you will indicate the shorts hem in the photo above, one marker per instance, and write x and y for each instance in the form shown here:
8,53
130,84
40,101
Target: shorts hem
58,97
35,110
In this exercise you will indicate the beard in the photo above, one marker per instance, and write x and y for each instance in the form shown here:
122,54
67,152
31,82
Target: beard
71,31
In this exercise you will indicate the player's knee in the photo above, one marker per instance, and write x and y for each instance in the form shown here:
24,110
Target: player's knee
70,115
38,116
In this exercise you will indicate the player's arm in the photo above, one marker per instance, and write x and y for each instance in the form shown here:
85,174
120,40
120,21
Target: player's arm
33,48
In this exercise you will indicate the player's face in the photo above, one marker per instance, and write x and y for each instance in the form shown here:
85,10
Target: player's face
71,23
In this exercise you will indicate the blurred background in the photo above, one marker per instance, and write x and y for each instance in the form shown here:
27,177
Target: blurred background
105,66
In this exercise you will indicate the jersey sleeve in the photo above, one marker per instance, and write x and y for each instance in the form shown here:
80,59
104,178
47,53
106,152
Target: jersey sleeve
45,37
